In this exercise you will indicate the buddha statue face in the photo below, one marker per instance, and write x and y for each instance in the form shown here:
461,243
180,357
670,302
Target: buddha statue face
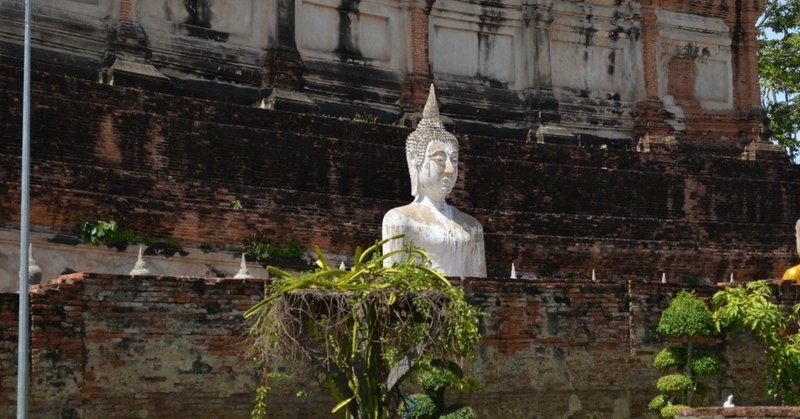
439,170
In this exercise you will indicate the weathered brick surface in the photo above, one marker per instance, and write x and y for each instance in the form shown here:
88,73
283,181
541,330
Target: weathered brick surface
105,346
9,324
111,346
749,412
169,165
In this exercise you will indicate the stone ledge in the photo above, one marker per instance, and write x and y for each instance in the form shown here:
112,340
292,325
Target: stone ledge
743,412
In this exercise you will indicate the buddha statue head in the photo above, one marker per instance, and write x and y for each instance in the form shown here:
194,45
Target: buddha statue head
432,154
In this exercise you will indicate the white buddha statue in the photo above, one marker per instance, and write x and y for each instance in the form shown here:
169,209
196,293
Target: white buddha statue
453,239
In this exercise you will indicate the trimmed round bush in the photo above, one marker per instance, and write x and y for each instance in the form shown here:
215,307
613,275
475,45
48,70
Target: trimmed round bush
706,365
674,383
417,406
670,357
669,412
437,377
459,412
657,403
686,315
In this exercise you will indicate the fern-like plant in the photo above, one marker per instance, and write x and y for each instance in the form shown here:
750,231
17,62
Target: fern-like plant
365,328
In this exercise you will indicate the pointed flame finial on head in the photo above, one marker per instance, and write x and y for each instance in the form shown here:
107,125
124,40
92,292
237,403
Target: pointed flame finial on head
431,110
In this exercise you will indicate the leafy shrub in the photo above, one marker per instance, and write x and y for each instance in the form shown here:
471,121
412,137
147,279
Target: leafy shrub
753,307
706,365
259,250
362,326
460,412
670,357
417,406
110,234
669,412
674,383
438,376
686,315
657,403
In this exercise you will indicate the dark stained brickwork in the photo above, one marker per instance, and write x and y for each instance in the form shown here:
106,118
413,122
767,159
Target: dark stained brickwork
165,347
746,412
169,165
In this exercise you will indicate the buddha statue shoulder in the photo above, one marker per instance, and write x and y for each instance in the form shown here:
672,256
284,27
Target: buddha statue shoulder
453,239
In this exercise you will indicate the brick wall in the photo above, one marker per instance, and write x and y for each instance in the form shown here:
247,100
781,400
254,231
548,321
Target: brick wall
109,346
750,412
9,321
106,346
169,165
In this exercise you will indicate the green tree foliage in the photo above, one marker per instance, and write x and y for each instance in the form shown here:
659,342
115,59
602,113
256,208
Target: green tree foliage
779,67
752,307
365,329
686,318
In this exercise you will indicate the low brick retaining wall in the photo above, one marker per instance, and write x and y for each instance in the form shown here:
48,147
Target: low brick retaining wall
163,347
743,412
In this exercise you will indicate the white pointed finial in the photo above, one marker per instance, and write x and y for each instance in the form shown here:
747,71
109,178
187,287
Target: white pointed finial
342,267
663,277
731,280
243,272
431,110
139,268
34,271
513,271
594,277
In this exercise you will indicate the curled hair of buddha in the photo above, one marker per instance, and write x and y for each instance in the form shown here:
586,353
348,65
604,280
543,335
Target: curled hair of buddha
429,129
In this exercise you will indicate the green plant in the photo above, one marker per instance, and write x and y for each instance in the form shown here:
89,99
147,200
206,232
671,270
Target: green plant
260,405
779,70
259,250
670,357
110,234
459,412
434,378
706,364
686,318
674,383
236,205
100,232
751,307
417,406
363,329
692,279
365,118
658,402
670,411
